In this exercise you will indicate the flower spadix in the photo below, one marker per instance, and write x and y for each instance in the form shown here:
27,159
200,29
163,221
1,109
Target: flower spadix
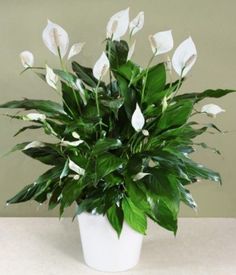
184,57
137,119
101,66
56,39
118,24
27,59
161,42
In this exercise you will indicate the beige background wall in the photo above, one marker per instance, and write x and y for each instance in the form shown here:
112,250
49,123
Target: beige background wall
211,23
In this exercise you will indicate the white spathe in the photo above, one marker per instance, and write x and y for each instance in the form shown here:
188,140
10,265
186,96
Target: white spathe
102,248
34,144
51,77
55,37
35,117
140,175
212,110
161,42
137,119
27,59
76,168
75,135
131,50
71,143
118,24
101,66
75,49
184,57
137,23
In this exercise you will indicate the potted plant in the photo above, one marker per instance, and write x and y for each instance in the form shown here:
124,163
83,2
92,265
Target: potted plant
124,138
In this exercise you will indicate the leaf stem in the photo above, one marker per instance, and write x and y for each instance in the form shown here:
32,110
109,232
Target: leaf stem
146,75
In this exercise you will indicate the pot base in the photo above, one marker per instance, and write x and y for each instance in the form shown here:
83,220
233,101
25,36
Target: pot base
103,250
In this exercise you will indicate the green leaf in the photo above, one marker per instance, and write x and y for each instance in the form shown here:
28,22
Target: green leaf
155,83
137,195
71,192
117,52
186,197
113,104
71,99
129,95
176,114
48,107
199,171
38,187
208,93
165,214
134,216
107,163
85,74
116,217
131,72
106,144
55,197
27,128
47,154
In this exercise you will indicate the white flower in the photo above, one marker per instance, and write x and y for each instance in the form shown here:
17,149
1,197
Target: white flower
34,144
75,135
161,42
184,57
140,175
71,143
118,25
27,59
212,110
145,132
131,50
51,78
137,23
75,49
78,87
76,168
137,119
101,66
55,37
35,117
76,177
164,104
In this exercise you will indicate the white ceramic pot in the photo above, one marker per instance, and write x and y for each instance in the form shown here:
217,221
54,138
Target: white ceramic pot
102,249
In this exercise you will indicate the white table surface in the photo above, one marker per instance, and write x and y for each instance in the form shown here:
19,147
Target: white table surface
45,246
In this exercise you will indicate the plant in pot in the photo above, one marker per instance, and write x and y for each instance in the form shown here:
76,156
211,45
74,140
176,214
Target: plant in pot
123,139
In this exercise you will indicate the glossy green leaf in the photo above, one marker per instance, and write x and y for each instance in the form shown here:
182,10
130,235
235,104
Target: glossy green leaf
85,74
208,93
116,217
117,52
134,216
50,108
106,144
107,163
155,83
176,114
165,214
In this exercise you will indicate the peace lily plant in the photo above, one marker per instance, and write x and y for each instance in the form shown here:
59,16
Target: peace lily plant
124,136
